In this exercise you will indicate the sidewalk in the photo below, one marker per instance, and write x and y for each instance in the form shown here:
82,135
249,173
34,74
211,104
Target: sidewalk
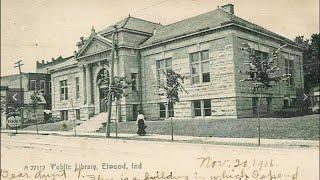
158,137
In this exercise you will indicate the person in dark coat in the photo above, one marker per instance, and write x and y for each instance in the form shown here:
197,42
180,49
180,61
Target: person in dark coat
141,124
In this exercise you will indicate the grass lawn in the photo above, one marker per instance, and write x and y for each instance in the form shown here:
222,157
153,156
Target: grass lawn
58,126
305,127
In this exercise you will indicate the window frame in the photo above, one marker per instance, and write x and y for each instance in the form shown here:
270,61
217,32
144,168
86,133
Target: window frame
64,88
202,108
64,115
171,109
50,86
164,109
198,63
289,69
78,114
161,80
43,90
77,86
35,85
134,77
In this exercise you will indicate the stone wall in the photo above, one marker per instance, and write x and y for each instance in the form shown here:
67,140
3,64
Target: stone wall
276,93
70,75
220,89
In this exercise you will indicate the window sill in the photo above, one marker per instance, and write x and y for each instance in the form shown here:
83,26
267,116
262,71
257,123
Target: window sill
200,117
201,84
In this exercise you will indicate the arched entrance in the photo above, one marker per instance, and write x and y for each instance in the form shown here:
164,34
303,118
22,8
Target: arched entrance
103,83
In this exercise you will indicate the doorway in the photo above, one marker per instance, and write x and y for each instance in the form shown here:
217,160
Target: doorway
103,82
103,99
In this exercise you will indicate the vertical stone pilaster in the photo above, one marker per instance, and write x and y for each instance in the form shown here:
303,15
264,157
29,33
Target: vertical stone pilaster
83,77
88,85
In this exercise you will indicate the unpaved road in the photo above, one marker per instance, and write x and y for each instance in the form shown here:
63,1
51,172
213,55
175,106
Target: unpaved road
58,157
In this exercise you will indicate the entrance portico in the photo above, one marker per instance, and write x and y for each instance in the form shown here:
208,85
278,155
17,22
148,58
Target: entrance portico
93,58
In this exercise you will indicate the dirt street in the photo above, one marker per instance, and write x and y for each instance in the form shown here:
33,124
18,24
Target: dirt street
58,157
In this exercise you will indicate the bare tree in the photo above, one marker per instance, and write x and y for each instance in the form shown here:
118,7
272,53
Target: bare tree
118,86
171,88
262,74
35,99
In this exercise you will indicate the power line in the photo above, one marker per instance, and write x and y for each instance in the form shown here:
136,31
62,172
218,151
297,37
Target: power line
152,5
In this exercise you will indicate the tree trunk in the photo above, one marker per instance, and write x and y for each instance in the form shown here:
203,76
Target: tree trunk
34,111
259,127
117,119
171,129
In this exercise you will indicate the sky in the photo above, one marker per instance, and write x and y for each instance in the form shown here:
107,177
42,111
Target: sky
35,30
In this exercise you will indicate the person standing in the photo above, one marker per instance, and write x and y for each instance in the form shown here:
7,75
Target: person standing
141,124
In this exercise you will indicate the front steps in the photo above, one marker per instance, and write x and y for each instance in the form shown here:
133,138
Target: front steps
93,124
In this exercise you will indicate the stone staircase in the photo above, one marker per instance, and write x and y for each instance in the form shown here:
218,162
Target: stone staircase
93,124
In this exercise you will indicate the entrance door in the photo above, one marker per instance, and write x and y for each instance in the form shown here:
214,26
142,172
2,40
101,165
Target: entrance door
103,81
103,95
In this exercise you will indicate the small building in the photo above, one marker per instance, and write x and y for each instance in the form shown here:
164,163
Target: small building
315,99
3,107
40,82
14,97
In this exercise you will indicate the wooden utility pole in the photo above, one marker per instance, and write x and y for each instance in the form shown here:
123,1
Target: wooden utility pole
111,81
74,118
19,64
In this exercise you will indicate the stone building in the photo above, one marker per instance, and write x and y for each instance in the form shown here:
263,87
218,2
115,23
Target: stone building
205,48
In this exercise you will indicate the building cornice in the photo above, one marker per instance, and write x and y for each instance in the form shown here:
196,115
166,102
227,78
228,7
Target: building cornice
230,24
127,30
63,68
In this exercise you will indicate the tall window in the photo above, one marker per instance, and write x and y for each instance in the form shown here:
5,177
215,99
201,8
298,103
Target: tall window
134,81
171,110
77,87
64,115
207,107
289,102
289,70
200,67
255,105
201,107
63,90
197,108
42,86
163,110
50,86
33,85
163,66
286,103
261,55
269,104
77,114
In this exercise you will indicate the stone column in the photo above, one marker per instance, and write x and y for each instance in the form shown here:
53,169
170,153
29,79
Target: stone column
88,85
83,77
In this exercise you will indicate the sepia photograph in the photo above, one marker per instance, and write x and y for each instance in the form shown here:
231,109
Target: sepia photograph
160,89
